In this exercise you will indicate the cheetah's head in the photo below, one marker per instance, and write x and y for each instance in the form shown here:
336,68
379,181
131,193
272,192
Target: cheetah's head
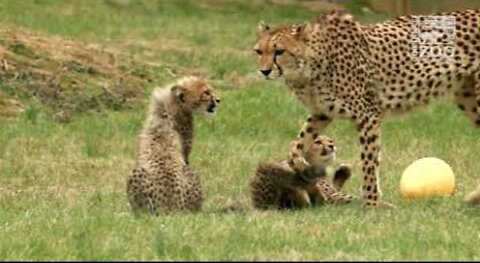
194,94
322,151
278,49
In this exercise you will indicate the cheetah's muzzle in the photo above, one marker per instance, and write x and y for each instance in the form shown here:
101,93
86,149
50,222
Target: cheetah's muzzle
211,108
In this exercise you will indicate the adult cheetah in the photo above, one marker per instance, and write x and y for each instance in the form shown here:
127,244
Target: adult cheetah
281,185
339,68
163,181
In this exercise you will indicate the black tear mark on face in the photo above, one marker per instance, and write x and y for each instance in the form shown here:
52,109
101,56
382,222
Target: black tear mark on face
280,69
278,52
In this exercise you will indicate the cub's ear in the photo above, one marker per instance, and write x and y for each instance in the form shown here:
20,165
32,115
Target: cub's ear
179,92
262,27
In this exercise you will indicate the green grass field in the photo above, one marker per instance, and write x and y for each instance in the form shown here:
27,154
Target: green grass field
62,185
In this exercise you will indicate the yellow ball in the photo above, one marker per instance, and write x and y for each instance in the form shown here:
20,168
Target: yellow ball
427,177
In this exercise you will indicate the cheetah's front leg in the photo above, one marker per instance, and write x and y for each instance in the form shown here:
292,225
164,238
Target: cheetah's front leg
326,193
369,135
315,124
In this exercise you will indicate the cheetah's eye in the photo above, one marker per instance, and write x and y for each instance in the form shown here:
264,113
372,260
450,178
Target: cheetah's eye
279,52
259,52
207,93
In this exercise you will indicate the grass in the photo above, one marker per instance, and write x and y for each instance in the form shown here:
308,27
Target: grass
62,189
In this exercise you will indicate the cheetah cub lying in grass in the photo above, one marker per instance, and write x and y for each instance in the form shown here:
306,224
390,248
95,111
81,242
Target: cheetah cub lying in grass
283,185
163,181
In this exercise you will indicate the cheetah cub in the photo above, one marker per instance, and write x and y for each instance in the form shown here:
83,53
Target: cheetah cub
284,185
162,180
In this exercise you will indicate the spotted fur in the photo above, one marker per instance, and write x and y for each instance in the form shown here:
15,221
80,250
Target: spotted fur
162,180
339,68
281,185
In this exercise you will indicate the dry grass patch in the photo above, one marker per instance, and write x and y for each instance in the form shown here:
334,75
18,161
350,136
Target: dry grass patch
65,75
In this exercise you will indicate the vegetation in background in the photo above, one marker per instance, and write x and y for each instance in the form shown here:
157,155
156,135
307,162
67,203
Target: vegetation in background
62,185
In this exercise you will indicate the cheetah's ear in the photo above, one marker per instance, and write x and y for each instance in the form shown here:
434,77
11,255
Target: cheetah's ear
297,30
179,92
301,30
262,27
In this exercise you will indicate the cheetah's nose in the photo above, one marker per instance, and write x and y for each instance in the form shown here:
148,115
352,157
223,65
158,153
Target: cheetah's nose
266,72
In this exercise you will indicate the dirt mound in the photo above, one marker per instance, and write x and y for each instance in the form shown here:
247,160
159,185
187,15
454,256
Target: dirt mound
66,76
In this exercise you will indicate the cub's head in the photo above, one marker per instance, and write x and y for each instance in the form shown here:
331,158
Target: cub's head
194,94
278,48
322,151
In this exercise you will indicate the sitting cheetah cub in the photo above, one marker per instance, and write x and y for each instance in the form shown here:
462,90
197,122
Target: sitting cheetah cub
283,185
163,181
